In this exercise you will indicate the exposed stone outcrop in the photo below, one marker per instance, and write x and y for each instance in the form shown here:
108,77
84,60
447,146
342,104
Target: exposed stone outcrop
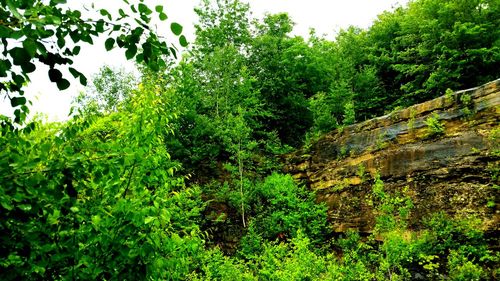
453,171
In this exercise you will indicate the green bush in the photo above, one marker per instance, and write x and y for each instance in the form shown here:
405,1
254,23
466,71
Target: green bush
281,207
96,200
251,245
462,269
434,127
468,106
291,261
215,266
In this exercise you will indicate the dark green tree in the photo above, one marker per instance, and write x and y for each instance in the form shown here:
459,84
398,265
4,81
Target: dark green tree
431,45
287,74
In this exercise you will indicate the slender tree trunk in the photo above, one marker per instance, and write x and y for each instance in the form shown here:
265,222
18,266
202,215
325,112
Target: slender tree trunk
217,105
240,168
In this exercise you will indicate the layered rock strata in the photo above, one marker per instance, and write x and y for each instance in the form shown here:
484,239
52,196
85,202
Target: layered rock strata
444,153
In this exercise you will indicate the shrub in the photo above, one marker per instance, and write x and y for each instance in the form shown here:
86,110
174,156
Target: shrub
449,95
356,262
215,266
251,244
349,114
393,211
462,269
468,107
434,127
288,208
292,261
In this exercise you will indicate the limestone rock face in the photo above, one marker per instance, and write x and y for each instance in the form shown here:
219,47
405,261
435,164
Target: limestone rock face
453,170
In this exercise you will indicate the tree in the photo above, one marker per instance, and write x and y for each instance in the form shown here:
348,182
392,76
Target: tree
110,89
435,45
222,23
52,33
288,72
212,84
97,198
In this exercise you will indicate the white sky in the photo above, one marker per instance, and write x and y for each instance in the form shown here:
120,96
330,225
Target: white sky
326,16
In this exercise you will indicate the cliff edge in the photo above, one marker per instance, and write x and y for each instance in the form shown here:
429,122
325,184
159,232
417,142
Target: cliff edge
444,152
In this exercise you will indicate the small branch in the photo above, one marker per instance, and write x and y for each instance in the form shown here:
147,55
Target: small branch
129,179
57,169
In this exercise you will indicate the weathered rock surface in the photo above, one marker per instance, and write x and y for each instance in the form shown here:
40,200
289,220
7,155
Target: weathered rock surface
453,171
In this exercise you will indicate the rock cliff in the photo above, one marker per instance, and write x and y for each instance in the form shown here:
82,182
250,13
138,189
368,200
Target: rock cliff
444,153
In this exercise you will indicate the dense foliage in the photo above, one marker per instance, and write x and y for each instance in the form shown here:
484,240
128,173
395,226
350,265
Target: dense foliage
175,175
52,33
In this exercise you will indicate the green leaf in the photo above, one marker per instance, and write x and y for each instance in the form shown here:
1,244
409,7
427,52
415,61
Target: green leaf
5,32
61,42
133,253
147,51
6,204
41,48
83,80
154,66
4,66
159,8
76,50
74,72
17,101
13,9
122,13
75,36
17,34
105,13
163,16
55,75
19,55
99,26
53,218
176,28
30,47
110,42
63,84
132,7
51,19
143,9
28,67
76,13
18,79
183,41
131,51
173,51
139,58
136,34
120,41
87,38
145,19
19,115
25,207
149,219
96,220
